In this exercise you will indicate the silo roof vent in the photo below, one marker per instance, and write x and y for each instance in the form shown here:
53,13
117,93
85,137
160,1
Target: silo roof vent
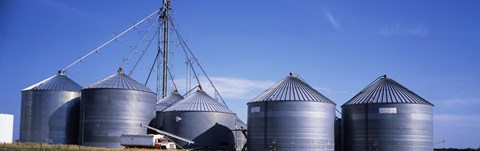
386,90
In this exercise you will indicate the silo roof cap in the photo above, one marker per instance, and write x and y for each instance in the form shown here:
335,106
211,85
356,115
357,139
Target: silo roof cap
119,81
168,101
59,82
199,102
386,90
291,88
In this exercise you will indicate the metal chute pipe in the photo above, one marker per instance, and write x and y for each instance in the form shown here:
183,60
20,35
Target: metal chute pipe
168,134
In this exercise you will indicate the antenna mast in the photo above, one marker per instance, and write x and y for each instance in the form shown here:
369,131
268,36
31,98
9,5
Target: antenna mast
164,16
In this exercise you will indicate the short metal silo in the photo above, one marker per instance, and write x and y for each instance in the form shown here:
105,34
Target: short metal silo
202,119
169,100
291,115
387,116
163,104
114,106
240,135
49,111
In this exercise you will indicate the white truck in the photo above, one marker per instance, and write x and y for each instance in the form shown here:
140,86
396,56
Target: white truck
146,141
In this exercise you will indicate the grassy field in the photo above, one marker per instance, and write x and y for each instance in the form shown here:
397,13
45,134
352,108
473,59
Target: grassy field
51,147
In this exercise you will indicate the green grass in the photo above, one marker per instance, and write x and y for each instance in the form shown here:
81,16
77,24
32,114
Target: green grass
53,147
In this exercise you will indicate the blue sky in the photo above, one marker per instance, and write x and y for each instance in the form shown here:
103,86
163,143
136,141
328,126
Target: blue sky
338,47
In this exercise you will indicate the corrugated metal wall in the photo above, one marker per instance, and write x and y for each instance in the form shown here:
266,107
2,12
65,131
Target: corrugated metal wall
291,115
49,112
410,128
112,107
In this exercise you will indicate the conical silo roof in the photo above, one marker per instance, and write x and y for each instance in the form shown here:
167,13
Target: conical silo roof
199,102
168,101
119,81
59,82
291,88
386,90
239,124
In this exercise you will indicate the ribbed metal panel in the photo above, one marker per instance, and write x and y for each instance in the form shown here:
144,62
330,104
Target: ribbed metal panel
168,101
291,88
63,124
199,102
386,90
409,129
338,134
202,119
239,124
49,112
291,115
387,116
110,110
291,126
119,81
240,138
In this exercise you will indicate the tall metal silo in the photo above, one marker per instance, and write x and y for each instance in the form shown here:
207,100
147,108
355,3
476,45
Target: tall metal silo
202,119
338,134
291,115
387,116
49,112
114,106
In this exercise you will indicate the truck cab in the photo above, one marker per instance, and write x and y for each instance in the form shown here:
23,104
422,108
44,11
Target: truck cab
163,143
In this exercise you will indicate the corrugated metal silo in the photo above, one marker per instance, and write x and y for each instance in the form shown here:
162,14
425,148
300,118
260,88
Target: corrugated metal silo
169,100
240,135
202,119
49,112
114,106
338,134
163,104
291,115
387,116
